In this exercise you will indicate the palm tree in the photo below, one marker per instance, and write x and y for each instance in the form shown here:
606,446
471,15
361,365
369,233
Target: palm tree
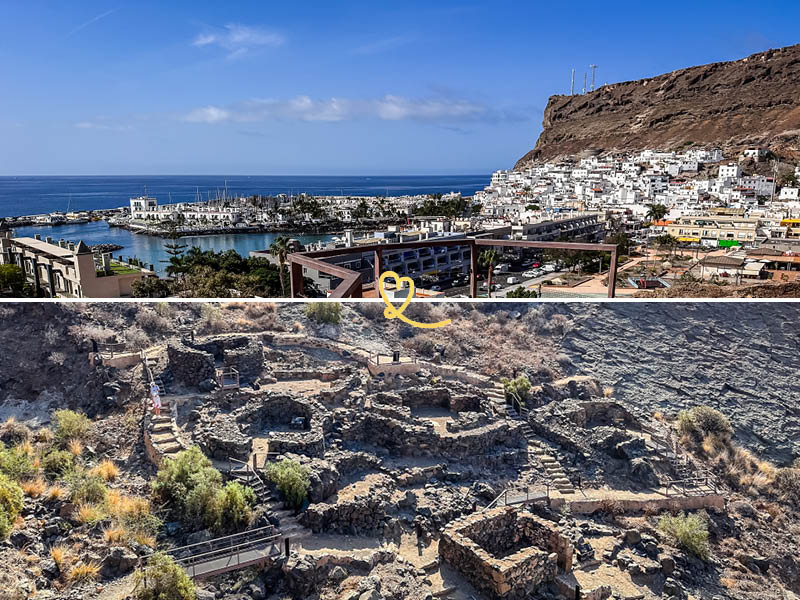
280,249
656,212
488,258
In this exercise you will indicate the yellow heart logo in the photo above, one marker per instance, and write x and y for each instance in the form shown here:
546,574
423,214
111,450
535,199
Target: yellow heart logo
393,312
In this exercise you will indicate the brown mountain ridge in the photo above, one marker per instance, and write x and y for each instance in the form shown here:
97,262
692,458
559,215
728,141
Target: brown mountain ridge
751,101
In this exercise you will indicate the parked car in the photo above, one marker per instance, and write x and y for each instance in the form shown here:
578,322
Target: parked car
513,280
549,268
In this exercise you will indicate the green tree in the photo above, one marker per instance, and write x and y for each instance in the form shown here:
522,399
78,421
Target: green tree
70,425
280,250
151,287
488,258
521,292
656,212
174,248
162,579
666,242
12,278
689,531
292,480
11,502
178,477
325,312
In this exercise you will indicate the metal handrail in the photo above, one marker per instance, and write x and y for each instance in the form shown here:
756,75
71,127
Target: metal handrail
234,535
225,551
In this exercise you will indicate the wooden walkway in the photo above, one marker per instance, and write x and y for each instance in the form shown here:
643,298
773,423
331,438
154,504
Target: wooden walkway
229,553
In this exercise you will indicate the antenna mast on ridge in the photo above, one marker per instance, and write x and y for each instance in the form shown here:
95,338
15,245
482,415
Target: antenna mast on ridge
572,84
593,68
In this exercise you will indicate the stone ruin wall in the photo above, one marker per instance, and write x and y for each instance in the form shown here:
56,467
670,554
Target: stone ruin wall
364,513
190,366
247,359
475,546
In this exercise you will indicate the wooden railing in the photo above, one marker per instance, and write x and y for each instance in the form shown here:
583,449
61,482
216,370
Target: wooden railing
704,481
228,379
107,350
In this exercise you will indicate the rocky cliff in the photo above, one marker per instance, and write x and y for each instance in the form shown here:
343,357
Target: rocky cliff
752,101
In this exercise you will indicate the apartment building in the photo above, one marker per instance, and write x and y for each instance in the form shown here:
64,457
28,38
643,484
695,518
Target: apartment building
67,270
715,230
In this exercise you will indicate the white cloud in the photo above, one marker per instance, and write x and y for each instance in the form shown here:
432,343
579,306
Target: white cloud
387,108
208,114
103,124
238,39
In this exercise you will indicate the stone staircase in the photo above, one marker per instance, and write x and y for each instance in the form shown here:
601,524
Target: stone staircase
541,450
497,398
152,364
162,431
288,524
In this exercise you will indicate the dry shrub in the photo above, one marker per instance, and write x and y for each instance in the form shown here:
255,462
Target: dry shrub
34,488
115,535
106,470
370,310
60,556
84,572
136,338
45,436
75,447
232,305
92,332
144,539
14,432
611,508
90,513
26,448
152,321
55,492
608,392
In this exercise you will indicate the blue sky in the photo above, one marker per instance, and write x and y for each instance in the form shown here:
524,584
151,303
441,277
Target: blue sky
268,88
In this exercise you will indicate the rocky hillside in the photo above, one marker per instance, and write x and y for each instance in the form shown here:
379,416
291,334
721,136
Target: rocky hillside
755,100
740,358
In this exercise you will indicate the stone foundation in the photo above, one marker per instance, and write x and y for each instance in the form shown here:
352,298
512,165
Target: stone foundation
504,552
190,366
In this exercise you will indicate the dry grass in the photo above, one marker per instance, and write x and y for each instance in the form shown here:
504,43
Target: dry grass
658,416
75,447
84,572
608,392
26,448
89,513
115,535
145,539
59,556
55,492
106,470
34,488
45,436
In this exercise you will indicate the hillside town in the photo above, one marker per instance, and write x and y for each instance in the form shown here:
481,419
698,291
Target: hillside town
684,216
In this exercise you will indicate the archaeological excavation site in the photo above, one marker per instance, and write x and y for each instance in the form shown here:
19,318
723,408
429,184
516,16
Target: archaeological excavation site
247,450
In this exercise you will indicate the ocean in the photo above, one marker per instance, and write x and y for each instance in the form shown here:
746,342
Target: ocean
38,195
